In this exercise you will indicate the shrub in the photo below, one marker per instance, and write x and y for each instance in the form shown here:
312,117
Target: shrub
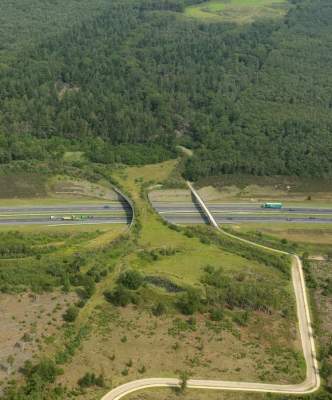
131,279
120,296
242,318
159,309
142,370
189,302
41,374
216,314
89,286
71,314
184,376
90,379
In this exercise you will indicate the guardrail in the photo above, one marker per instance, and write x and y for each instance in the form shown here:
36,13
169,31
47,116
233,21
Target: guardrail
203,206
129,202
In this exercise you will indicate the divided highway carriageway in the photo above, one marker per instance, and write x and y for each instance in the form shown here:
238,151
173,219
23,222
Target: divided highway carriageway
107,213
190,213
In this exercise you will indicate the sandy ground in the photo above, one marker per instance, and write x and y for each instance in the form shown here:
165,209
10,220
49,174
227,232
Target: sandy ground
124,340
171,195
64,186
28,322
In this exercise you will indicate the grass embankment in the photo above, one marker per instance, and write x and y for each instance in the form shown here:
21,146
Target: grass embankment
239,11
253,189
299,238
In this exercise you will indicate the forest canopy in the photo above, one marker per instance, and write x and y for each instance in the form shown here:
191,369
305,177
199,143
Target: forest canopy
132,79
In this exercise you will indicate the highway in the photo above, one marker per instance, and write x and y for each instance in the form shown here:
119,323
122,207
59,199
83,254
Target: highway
108,213
233,218
312,379
118,206
47,221
190,213
176,213
165,207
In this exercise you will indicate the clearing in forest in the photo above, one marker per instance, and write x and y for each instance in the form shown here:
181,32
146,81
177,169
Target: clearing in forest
240,11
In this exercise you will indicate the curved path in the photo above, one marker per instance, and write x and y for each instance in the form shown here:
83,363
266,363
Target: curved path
312,380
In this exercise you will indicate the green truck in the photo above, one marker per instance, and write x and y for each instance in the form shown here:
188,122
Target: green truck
275,206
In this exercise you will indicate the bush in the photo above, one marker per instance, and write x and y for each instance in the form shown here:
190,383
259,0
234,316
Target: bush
142,369
242,318
89,286
71,314
131,279
189,302
120,296
216,314
41,374
159,309
184,376
90,379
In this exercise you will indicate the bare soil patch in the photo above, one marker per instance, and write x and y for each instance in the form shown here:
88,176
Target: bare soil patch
253,188
128,343
170,195
67,187
22,185
28,323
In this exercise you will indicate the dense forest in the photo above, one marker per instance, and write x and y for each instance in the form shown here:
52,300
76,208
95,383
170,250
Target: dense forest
253,99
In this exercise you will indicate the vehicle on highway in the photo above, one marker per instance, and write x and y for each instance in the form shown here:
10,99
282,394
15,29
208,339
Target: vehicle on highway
71,218
275,206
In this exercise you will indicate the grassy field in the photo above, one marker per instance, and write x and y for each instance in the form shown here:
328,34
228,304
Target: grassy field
72,156
319,234
239,11
172,195
22,185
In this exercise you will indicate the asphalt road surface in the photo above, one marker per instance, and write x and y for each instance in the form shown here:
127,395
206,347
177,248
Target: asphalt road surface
47,221
247,207
66,209
231,219
41,215
189,213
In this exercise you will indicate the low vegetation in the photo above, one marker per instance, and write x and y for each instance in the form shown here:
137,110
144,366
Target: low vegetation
239,11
